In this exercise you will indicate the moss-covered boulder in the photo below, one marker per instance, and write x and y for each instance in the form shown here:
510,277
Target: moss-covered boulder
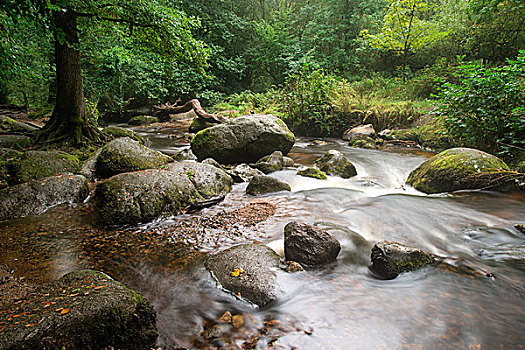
361,130
143,120
363,141
37,196
389,259
39,164
313,172
309,245
198,124
336,164
261,184
248,271
460,169
82,310
9,125
15,141
245,139
117,131
142,196
270,163
124,155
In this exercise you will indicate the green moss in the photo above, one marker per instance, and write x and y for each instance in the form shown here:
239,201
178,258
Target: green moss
116,132
312,172
362,141
39,164
143,120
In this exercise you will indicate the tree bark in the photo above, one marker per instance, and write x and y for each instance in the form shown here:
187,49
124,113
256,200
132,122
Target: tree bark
69,121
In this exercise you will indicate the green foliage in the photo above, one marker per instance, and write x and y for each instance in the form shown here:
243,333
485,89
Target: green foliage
486,108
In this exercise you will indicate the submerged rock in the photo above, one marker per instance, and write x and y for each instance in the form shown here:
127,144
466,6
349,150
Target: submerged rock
39,164
461,169
245,139
313,172
336,164
248,271
361,130
261,184
37,196
309,245
124,155
271,163
389,259
82,310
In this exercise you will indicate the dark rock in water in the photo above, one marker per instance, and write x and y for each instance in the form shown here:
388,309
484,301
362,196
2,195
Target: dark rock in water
14,141
142,196
261,184
389,259
199,124
88,310
248,271
185,154
361,130
362,141
461,169
309,245
271,163
313,172
520,227
117,131
39,164
124,155
245,139
35,197
244,173
336,164
143,120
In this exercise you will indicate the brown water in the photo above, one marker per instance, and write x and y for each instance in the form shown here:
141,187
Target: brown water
342,306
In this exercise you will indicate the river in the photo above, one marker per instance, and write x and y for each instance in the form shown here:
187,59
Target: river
477,302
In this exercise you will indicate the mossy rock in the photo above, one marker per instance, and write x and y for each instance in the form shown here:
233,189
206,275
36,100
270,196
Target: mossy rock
460,169
117,131
198,124
433,135
89,310
143,120
362,141
261,184
312,172
404,135
336,164
9,125
39,164
15,141
270,163
124,155
389,259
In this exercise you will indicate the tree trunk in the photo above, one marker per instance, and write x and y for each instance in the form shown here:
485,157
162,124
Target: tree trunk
69,121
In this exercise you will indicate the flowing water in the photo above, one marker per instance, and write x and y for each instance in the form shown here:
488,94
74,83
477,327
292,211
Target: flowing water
475,302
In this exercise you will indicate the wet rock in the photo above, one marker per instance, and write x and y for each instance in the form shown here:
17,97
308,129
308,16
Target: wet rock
14,141
288,162
37,196
185,154
336,164
199,124
261,184
244,173
361,130
245,139
9,125
362,141
309,245
257,281
313,172
461,169
142,196
389,259
271,163
39,164
82,310
520,227
117,132
124,155
143,120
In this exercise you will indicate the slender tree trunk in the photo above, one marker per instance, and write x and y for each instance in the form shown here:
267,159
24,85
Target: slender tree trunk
69,122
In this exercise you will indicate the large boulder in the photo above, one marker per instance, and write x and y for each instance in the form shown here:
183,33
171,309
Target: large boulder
460,169
39,164
309,245
271,163
336,164
124,155
389,259
244,139
248,271
142,196
82,310
261,184
361,130
37,196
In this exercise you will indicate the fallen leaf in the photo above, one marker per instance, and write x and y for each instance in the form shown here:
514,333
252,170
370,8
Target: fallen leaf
64,311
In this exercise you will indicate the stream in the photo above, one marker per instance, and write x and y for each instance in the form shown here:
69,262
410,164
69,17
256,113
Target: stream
478,302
